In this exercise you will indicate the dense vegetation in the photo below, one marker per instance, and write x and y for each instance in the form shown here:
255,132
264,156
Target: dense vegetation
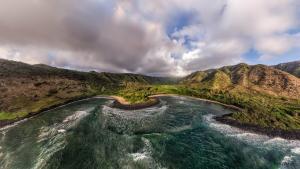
269,97
259,108
28,89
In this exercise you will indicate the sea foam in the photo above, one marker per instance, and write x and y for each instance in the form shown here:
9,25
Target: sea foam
289,161
54,137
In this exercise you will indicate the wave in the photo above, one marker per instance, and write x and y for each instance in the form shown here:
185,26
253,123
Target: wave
296,150
135,113
144,156
145,153
249,136
292,147
52,146
180,129
124,121
47,132
285,163
53,137
75,116
5,128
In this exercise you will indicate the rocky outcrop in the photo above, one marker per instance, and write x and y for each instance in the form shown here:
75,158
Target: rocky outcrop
151,102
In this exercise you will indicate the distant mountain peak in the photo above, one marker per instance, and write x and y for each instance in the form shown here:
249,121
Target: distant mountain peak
290,67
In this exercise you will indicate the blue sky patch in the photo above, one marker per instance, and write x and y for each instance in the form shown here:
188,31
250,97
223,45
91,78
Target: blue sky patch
293,31
252,55
180,20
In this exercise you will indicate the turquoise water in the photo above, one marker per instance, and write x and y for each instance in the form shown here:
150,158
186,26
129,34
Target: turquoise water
180,133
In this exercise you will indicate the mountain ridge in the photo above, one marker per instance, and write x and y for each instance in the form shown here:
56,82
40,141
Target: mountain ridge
17,69
290,67
28,88
258,77
268,96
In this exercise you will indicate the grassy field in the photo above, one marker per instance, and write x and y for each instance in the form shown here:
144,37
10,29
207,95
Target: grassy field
22,106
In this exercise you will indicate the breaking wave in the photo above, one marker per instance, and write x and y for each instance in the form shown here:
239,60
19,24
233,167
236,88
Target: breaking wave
292,147
144,156
53,138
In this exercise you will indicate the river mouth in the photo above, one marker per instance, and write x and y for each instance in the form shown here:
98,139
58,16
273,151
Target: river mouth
178,133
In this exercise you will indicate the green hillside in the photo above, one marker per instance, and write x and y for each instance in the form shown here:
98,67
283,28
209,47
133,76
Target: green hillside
269,97
28,88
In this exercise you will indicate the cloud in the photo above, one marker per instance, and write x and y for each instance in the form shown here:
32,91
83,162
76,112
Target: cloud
78,34
151,37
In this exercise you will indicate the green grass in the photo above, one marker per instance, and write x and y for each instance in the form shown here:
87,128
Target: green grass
260,109
23,106
11,116
32,107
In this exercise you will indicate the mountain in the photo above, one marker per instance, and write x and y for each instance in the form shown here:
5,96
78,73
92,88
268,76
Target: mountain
256,77
290,67
269,97
28,88
19,69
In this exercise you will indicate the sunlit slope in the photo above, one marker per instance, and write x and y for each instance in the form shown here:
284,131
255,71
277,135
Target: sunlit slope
257,77
30,88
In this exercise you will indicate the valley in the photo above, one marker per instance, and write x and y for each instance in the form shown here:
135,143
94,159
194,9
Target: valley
269,97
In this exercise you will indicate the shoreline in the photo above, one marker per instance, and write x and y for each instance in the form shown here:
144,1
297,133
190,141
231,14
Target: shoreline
271,132
268,131
5,123
201,99
121,103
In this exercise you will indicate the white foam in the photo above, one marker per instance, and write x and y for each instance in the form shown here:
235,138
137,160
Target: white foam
287,160
223,128
259,140
139,156
75,116
181,102
47,132
145,153
296,150
243,135
52,146
5,128
21,121
61,130
134,113
276,140
54,137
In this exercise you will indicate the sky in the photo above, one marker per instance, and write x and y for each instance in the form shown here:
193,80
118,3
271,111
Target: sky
153,37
